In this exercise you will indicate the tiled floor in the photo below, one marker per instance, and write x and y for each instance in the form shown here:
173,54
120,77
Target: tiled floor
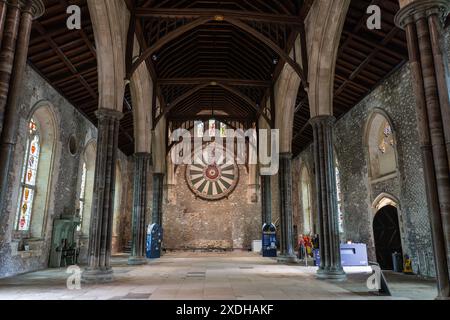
212,276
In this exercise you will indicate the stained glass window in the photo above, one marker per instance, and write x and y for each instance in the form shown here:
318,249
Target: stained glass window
28,183
386,138
200,129
212,128
82,195
223,130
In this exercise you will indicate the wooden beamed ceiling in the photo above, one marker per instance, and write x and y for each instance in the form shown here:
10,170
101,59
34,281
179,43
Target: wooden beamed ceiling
365,58
67,60
219,66
225,65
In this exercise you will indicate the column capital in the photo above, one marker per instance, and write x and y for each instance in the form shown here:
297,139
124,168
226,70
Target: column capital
159,174
286,155
326,119
422,9
36,7
142,155
104,113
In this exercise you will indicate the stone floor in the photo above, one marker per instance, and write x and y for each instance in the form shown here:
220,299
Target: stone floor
210,276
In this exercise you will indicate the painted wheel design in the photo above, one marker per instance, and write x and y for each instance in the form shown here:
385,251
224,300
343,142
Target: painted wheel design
212,181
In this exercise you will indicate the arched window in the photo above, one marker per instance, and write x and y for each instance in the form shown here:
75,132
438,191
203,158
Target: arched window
33,203
116,238
199,129
29,176
86,186
381,147
82,199
306,202
223,130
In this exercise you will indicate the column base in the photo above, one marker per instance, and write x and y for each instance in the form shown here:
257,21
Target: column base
136,261
287,259
330,274
97,276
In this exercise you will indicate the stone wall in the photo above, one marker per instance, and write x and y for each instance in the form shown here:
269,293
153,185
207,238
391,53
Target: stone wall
304,159
395,98
195,224
63,182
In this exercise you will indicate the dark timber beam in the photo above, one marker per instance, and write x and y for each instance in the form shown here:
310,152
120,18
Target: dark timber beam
230,82
191,92
209,117
164,13
283,55
180,99
235,22
163,41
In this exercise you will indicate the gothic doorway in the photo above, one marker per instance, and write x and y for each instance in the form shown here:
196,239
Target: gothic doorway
387,236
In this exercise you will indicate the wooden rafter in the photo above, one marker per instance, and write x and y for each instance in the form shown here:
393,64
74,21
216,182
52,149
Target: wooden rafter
205,13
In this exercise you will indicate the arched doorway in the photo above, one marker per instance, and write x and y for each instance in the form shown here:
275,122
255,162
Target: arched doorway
386,231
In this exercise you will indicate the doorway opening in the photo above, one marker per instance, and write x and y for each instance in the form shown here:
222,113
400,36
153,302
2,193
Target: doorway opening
386,231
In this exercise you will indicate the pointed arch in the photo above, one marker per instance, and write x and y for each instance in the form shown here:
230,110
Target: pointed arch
201,86
110,24
380,143
235,22
309,223
37,171
286,89
87,168
324,26
141,87
117,208
385,199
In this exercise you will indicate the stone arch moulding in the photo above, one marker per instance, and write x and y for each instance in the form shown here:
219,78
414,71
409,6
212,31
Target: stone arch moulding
382,196
286,90
110,25
401,222
141,88
367,142
324,26
376,112
48,119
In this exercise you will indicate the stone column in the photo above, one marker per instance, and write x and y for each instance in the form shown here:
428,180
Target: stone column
266,199
3,9
422,21
141,163
158,188
326,199
285,187
8,50
100,235
13,58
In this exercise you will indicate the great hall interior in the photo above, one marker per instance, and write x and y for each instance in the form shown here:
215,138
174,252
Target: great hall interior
351,97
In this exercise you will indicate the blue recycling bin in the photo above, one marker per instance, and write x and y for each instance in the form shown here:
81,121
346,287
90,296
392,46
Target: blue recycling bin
269,241
154,241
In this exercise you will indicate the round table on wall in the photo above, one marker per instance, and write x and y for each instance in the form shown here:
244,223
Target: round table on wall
212,181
